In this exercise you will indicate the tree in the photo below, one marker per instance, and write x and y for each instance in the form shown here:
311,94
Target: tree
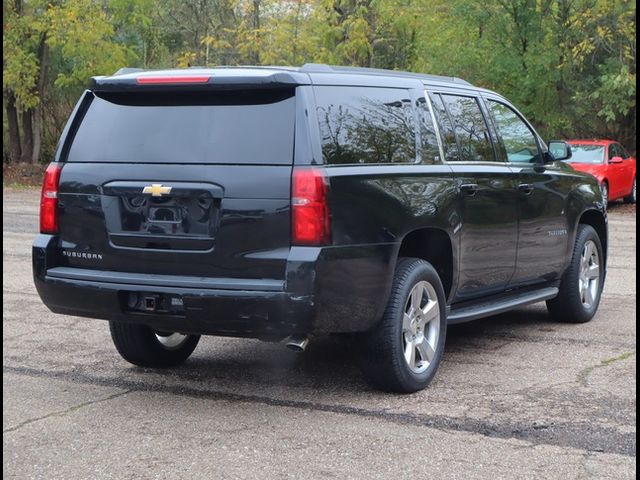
25,50
80,33
568,64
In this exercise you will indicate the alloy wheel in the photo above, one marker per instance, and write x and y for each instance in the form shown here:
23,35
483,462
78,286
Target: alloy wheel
171,341
589,280
421,327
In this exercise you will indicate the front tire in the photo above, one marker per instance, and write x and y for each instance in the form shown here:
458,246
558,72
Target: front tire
142,346
604,188
581,287
403,352
632,196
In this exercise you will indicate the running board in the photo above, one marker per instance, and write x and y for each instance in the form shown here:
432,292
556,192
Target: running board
498,305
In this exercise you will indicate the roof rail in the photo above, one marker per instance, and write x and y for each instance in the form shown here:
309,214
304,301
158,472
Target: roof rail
125,70
322,68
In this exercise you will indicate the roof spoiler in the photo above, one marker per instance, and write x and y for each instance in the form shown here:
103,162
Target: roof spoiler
129,79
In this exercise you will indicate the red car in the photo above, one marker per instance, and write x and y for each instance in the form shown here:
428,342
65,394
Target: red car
610,163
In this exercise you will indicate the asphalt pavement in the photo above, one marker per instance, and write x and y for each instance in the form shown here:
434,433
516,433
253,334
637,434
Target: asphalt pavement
517,395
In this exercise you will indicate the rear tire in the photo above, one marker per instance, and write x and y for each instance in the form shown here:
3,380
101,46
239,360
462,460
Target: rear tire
142,346
403,352
632,196
578,299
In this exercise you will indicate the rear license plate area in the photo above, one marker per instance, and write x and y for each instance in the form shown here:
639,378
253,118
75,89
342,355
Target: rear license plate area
165,215
148,302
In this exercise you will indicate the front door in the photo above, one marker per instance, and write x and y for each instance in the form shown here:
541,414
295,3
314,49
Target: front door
487,198
620,174
541,198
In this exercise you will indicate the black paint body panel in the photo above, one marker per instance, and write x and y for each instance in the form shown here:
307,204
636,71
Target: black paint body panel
221,242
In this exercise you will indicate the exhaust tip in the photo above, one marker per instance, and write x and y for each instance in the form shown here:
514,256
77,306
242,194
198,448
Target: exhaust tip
297,344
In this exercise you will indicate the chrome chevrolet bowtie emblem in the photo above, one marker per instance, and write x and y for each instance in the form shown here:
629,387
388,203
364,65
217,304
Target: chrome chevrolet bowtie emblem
156,190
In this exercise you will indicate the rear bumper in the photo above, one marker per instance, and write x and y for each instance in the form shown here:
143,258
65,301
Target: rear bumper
335,289
206,311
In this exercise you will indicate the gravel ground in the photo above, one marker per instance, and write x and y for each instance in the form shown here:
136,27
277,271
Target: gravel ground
517,396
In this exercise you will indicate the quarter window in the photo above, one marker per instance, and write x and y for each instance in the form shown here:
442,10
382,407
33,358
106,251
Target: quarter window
518,141
470,129
366,125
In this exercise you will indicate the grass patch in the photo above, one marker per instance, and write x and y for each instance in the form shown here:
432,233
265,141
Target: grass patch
585,372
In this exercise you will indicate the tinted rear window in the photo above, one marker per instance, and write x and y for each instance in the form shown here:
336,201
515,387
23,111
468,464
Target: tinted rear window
235,128
470,127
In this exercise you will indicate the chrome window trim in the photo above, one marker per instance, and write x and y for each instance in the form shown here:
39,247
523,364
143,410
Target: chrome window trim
436,127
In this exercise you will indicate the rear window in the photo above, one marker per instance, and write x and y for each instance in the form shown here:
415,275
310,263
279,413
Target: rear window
470,128
235,128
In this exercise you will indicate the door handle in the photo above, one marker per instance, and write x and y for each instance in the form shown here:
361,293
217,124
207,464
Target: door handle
469,189
525,188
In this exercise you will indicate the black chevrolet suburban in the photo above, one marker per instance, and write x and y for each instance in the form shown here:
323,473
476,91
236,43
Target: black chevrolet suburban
284,203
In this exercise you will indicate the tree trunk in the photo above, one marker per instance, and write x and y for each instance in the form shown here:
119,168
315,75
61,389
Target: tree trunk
43,57
256,29
27,136
37,134
14,130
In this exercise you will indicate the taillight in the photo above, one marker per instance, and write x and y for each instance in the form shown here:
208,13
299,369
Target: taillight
49,199
310,223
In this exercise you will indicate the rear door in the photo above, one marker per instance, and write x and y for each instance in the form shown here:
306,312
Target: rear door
179,183
487,197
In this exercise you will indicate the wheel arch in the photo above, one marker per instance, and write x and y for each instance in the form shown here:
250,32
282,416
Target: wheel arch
597,220
435,246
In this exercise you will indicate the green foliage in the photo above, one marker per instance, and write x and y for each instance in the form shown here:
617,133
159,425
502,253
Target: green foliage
568,64
21,34
82,32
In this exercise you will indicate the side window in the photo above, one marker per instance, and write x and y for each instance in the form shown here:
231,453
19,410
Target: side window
517,138
616,150
429,149
366,125
447,132
470,128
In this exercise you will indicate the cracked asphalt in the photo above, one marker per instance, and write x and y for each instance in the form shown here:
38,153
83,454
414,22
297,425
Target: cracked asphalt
517,395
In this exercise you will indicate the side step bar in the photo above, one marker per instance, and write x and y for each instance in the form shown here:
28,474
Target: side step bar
500,304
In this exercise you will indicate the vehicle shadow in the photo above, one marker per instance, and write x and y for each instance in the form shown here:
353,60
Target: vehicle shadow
330,363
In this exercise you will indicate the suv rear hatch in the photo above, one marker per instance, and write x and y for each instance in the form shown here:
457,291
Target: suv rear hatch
179,181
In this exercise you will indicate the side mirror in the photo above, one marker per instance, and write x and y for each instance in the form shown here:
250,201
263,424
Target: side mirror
616,160
560,150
